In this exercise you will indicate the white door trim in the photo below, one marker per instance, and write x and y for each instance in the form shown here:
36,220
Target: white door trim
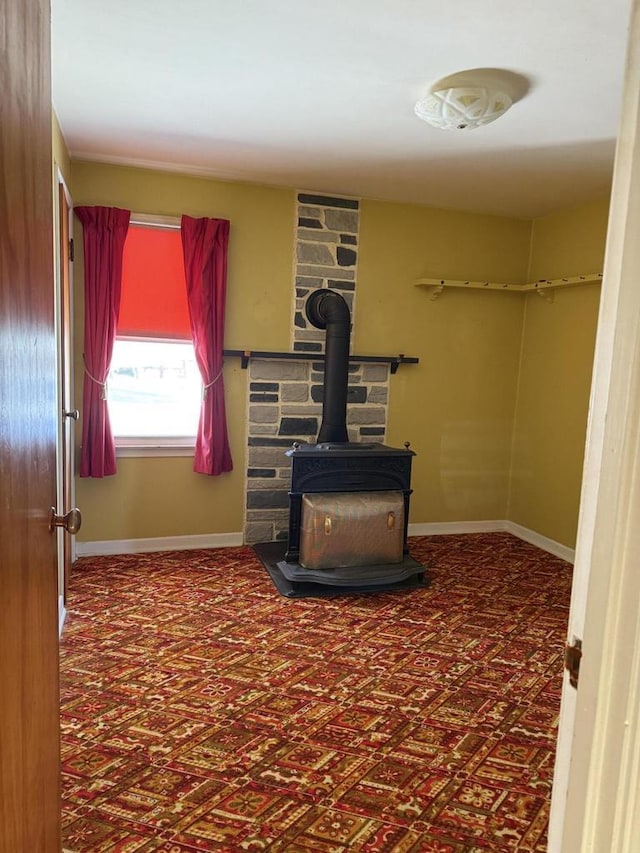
59,182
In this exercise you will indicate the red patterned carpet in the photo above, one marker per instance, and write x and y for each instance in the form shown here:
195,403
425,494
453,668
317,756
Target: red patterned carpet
201,710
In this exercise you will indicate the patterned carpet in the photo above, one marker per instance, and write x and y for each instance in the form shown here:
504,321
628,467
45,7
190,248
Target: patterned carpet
201,710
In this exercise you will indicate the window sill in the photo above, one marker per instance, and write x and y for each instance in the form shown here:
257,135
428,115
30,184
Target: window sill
148,449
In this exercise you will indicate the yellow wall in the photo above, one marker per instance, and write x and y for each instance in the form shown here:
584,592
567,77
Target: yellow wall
496,409
555,373
569,241
456,407
151,497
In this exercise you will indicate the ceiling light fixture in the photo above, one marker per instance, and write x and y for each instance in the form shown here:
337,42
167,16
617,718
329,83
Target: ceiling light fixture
462,107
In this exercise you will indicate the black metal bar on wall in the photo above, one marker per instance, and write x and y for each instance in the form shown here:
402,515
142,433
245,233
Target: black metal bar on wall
393,360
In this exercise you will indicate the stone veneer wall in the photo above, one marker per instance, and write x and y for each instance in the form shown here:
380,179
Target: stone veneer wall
285,397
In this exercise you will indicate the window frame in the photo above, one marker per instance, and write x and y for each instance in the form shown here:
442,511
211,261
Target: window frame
139,446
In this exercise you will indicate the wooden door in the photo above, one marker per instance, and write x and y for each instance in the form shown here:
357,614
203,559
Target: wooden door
29,721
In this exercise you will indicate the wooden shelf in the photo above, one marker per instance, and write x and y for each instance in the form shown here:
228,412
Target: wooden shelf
245,355
544,286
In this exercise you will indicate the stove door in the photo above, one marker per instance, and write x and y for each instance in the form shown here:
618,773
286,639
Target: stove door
347,529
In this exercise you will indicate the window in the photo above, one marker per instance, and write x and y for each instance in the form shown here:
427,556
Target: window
154,389
154,386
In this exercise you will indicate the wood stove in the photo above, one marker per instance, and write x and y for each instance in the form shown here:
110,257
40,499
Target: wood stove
336,467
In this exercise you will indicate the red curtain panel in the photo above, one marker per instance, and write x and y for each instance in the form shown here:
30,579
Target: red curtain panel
204,245
105,230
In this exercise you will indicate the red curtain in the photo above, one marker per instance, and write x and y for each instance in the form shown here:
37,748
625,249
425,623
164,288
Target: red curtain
204,245
105,230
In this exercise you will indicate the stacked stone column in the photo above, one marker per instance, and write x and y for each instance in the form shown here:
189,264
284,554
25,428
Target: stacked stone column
285,397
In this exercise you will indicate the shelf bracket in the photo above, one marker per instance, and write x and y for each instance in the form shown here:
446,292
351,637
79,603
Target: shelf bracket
547,294
395,364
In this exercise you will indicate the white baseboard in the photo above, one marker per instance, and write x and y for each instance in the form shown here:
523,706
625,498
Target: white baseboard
540,541
524,533
62,615
160,543
230,540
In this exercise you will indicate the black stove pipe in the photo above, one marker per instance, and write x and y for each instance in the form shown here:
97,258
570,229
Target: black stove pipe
326,309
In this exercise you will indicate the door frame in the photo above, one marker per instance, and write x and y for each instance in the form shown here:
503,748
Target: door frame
596,791
65,493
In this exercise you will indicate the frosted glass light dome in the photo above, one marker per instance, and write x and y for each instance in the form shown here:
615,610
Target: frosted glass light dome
462,108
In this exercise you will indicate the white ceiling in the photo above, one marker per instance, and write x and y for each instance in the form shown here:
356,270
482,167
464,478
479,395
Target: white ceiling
319,95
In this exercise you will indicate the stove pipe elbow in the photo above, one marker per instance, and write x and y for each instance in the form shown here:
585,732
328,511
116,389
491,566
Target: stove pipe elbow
326,309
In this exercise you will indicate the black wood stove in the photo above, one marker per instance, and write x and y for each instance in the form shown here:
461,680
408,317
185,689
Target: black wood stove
348,502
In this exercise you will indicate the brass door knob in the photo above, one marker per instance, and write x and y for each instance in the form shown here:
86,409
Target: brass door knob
71,521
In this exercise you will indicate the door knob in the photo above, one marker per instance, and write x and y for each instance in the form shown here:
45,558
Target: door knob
73,413
71,521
